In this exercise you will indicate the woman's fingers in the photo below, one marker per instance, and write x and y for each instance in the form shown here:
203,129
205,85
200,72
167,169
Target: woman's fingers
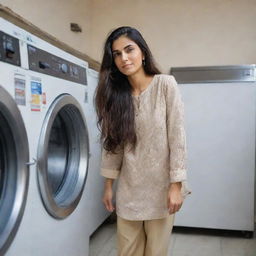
105,202
174,207
175,199
111,207
108,203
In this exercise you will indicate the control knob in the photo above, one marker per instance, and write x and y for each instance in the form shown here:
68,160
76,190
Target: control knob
64,68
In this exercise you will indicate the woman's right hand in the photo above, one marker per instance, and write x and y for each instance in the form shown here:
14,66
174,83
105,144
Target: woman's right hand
108,195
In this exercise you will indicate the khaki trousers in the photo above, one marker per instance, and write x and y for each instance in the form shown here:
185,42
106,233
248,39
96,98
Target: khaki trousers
144,238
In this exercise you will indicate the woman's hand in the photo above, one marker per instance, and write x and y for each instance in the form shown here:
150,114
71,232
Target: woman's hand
108,195
175,198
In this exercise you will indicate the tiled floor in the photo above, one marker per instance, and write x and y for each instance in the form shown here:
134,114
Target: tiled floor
184,242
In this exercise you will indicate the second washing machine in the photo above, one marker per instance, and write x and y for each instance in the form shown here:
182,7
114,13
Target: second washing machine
95,182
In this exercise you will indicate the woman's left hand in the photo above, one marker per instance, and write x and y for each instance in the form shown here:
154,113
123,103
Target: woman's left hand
175,198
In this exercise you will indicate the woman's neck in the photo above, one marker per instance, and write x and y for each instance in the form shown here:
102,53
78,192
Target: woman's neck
139,82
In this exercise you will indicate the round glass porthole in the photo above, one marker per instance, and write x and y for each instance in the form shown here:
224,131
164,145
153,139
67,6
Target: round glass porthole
63,156
13,169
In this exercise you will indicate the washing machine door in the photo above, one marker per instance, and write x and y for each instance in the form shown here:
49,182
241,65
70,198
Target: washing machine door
63,155
14,156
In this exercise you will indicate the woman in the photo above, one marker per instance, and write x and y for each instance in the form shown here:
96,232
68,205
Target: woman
141,119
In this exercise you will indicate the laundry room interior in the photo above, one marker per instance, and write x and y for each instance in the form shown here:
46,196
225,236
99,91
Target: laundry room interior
51,187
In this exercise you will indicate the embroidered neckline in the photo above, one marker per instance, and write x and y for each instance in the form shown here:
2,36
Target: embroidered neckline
147,89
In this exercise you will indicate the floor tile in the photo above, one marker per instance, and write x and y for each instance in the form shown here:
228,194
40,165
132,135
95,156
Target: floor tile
238,246
199,245
190,242
103,240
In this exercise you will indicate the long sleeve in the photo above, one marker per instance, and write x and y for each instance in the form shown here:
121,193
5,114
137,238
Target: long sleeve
176,131
111,164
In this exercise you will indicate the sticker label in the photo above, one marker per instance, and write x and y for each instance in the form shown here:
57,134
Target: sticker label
20,90
36,95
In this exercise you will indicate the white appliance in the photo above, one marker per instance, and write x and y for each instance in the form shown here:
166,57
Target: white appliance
95,183
220,110
50,92
14,147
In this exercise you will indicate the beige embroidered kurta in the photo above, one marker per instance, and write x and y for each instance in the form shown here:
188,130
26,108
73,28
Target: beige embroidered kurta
159,156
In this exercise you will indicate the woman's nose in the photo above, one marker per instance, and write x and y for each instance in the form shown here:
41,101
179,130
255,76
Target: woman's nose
124,56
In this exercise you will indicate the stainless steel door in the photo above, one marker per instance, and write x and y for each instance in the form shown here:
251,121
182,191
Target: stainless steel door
14,154
63,155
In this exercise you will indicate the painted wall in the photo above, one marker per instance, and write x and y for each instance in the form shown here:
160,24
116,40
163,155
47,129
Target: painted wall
55,16
179,32
182,32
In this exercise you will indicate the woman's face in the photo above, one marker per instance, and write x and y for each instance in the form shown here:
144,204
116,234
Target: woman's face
127,56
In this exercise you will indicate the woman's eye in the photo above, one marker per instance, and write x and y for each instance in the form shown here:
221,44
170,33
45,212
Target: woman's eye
129,49
115,54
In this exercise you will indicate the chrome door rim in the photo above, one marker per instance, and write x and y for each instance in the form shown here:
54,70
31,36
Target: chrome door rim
62,206
17,154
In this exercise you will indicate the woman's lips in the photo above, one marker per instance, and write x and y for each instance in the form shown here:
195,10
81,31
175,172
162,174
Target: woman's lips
126,65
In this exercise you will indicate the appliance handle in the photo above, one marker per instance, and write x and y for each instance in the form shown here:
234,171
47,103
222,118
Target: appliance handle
32,162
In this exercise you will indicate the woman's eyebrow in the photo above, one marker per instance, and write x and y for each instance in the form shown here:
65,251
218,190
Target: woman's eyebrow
124,48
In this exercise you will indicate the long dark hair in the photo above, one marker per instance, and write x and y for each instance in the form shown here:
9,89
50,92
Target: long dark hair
114,104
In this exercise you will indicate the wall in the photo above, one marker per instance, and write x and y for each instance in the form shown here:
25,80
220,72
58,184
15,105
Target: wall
179,32
55,16
182,32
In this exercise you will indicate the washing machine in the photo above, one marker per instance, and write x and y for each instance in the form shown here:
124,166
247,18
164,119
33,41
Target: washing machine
14,146
50,92
95,182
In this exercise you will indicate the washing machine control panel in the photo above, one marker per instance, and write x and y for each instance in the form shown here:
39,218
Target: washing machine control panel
9,49
49,64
